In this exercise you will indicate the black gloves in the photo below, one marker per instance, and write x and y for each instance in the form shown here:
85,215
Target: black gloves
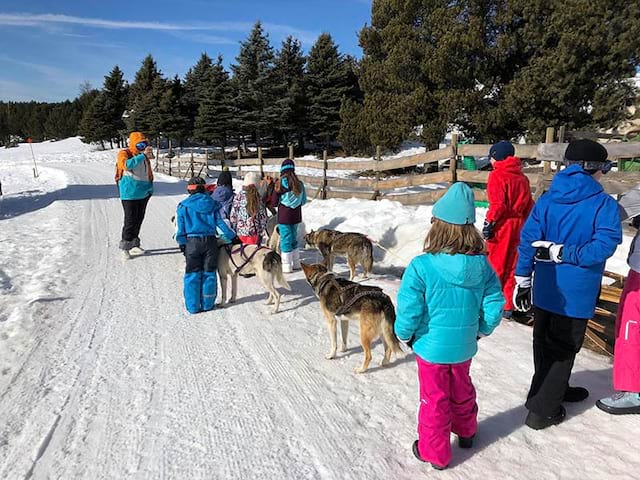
548,251
236,241
183,248
522,294
487,230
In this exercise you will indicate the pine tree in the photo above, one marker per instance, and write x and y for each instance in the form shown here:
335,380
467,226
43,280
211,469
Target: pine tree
214,121
95,126
115,91
193,87
327,80
256,89
291,102
173,119
144,98
62,121
4,123
557,71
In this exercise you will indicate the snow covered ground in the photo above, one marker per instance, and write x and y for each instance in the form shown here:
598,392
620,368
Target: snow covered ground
103,374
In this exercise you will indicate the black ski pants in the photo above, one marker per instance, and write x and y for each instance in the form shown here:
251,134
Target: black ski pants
134,211
556,341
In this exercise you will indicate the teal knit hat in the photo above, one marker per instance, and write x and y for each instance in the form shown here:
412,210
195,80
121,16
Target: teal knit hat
456,206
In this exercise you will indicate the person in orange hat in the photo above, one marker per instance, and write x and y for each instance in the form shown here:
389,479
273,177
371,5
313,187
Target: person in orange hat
134,177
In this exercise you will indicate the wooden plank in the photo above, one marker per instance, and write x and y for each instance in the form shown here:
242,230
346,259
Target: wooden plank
413,180
359,166
596,326
482,150
473,176
591,335
311,180
426,157
422,198
555,151
349,194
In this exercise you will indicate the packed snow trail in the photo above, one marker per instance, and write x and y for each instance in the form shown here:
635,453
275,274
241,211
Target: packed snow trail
118,381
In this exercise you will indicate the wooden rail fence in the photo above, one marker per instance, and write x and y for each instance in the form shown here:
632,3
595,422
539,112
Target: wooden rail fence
434,184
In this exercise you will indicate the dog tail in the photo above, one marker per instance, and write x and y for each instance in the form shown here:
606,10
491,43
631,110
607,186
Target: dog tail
272,263
387,326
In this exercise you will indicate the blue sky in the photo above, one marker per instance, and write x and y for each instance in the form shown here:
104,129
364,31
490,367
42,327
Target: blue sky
48,48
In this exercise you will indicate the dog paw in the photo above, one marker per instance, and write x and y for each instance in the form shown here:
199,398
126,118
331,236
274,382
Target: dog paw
384,363
343,348
330,355
359,370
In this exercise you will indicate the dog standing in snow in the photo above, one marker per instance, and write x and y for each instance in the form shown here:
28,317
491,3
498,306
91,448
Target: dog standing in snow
251,259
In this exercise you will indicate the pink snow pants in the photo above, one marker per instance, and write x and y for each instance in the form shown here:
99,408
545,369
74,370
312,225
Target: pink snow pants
447,404
626,357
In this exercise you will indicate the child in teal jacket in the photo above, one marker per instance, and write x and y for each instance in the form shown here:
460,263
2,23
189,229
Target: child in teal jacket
449,297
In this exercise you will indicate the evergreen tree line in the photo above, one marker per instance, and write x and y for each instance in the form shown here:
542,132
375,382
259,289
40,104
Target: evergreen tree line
493,68
42,121
269,97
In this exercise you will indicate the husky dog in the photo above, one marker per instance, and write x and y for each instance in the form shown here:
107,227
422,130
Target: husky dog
251,259
355,246
354,301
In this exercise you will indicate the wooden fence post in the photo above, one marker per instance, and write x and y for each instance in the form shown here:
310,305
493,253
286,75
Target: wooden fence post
291,154
376,192
561,134
169,167
325,155
261,160
546,169
453,164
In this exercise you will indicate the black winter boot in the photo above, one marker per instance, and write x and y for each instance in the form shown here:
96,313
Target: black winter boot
575,394
465,442
539,422
416,453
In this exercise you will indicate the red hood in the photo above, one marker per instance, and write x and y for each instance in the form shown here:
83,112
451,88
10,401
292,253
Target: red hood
509,164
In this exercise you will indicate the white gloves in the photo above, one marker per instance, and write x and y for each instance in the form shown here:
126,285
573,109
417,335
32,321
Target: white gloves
547,251
404,346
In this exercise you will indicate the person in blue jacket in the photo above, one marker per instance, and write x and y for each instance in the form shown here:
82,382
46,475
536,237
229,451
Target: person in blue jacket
449,297
197,219
565,242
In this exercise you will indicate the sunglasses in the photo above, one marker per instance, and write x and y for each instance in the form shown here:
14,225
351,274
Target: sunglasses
142,145
606,168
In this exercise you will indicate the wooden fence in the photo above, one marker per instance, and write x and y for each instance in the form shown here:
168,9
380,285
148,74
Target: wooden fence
377,188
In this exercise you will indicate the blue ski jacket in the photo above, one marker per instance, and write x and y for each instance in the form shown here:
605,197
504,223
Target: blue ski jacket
577,213
197,216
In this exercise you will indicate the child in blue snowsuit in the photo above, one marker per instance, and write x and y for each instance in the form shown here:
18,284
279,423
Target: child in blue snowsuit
197,220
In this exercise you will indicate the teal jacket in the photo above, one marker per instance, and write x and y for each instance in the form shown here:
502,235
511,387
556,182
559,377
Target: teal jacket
445,302
136,182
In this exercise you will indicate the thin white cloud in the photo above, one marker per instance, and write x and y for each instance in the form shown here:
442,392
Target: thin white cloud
199,37
49,19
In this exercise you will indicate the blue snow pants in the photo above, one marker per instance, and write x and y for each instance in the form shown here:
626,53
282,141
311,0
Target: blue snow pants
200,281
288,237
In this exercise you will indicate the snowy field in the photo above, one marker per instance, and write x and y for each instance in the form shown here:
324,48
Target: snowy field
103,375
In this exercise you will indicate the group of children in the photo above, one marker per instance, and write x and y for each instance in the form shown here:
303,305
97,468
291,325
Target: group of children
549,256
211,217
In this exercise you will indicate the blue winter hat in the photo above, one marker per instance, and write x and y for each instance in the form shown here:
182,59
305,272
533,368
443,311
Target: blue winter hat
287,165
456,206
501,150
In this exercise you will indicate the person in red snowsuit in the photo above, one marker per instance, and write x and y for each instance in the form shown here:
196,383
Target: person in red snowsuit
510,203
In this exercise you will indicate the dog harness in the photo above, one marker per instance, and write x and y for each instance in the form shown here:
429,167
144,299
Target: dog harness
246,259
329,277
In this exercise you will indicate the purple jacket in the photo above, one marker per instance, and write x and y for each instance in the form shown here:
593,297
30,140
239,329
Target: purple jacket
288,215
